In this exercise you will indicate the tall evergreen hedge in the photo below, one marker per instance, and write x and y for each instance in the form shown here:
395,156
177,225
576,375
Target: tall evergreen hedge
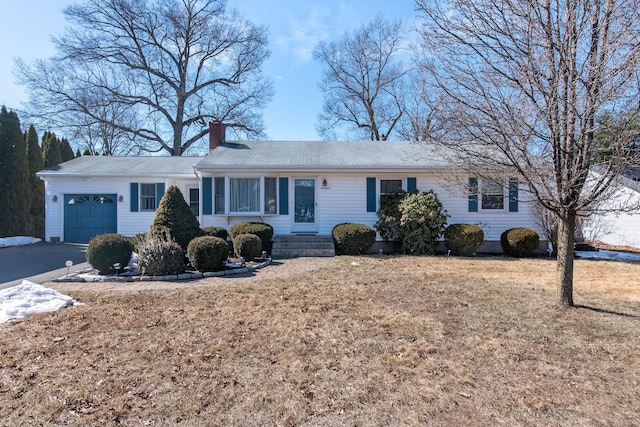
35,164
15,192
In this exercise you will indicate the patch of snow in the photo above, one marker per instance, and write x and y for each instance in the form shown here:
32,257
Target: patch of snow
30,298
608,255
354,263
5,242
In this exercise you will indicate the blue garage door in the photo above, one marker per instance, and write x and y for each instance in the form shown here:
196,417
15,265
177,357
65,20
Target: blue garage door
87,215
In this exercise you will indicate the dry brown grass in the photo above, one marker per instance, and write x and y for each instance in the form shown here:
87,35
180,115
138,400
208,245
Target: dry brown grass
391,341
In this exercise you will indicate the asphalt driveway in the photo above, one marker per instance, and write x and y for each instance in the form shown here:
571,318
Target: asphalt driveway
39,262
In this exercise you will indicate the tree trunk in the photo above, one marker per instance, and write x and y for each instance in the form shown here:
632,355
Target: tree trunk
566,240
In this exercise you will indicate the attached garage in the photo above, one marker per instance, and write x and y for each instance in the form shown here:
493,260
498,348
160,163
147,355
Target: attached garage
87,215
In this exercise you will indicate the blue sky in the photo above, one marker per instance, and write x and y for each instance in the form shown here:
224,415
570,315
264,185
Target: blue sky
295,27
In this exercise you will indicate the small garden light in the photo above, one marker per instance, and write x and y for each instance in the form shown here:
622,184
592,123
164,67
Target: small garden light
69,263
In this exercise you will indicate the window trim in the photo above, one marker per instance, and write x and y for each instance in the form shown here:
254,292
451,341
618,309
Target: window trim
225,196
144,198
481,194
198,201
403,185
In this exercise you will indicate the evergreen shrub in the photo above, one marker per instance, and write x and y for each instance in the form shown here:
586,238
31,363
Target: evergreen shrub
247,246
423,219
215,231
208,253
388,224
175,216
262,230
463,239
520,242
353,239
158,256
105,250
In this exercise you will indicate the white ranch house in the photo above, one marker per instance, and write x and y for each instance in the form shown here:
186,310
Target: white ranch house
298,187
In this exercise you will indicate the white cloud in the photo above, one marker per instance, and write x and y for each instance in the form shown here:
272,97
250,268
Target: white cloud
304,31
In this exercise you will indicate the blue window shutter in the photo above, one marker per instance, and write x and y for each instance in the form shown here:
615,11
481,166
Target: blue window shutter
283,190
159,193
207,195
513,194
411,184
473,194
371,195
134,197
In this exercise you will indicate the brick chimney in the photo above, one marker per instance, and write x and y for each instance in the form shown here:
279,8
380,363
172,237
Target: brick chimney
217,132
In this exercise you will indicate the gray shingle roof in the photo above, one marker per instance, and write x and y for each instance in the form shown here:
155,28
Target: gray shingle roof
323,156
125,166
292,156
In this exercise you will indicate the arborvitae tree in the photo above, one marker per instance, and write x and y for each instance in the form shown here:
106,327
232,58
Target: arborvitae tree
175,217
51,150
14,177
65,150
35,164
78,154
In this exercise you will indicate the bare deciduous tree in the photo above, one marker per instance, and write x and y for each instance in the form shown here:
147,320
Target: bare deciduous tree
523,83
166,67
362,82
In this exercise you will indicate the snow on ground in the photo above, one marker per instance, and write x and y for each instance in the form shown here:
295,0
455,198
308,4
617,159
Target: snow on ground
29,298
608,255
5,242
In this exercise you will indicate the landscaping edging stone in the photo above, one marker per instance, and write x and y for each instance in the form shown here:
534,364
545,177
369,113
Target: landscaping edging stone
84,276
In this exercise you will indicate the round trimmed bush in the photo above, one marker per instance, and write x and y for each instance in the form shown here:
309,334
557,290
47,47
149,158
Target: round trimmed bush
215,231
463,239
520,242
208,253
247,246
262,230
353,239
105,250
158,257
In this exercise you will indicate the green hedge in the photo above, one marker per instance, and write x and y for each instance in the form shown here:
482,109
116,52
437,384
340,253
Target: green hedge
208,253
247,246
262,230
216,231
520,242
353,239
463,239
105,250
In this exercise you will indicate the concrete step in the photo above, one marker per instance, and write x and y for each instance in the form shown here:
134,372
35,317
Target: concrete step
302,245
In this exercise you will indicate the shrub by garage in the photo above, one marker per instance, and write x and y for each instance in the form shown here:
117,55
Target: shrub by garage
106,250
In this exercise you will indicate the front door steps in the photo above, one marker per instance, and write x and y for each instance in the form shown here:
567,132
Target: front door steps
302,245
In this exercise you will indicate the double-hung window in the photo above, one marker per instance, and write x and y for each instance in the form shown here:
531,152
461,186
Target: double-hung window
219,195
390,186
270,196
488,195
148,197
492,195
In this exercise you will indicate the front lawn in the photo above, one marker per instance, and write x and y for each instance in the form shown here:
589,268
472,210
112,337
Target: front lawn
389,341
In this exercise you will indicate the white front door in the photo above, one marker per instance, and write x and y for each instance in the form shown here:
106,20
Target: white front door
304,202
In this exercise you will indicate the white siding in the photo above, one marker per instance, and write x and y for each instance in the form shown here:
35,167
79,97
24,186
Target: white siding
345,200
129,223
622,228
